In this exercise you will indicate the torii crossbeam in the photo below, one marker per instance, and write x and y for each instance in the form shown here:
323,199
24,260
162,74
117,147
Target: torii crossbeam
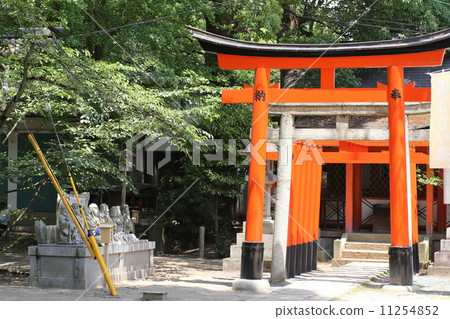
394,55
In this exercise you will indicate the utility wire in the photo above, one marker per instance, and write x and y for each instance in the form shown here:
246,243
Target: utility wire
318,58
107,31
441,2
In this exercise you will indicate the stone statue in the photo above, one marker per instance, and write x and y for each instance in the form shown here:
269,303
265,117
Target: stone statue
64,222
65,231
104,214
117,218
68,233
127,223
46,234
94,211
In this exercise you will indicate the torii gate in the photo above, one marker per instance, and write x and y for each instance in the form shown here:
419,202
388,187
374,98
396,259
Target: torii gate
394,55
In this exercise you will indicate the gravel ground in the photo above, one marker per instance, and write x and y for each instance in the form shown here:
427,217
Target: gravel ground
430,289
188,278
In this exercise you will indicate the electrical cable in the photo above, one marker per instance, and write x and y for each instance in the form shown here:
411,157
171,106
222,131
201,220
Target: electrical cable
107,31
441,2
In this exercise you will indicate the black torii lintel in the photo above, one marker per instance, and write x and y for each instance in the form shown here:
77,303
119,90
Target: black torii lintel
211,42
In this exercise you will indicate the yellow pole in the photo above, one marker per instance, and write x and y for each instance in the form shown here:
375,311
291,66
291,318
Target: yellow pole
102,265
60,192
78,201
91,244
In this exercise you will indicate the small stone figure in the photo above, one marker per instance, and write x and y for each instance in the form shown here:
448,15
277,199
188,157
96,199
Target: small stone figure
104,214
117,218
127,223
94,211
64,222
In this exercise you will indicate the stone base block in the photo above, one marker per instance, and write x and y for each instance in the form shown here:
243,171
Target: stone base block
442,258
234,265
253,285
72,267
445,245
401,288
438,271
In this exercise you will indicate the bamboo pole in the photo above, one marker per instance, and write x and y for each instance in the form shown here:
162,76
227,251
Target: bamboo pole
91,243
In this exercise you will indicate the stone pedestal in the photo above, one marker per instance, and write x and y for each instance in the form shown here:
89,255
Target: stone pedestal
381,218
233,263
441,265
72,267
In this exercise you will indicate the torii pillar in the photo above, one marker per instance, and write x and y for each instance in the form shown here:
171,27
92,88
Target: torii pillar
253,246
400,253
427,50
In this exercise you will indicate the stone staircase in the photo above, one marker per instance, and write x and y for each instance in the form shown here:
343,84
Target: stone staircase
441,266
361,247
370,247
233,263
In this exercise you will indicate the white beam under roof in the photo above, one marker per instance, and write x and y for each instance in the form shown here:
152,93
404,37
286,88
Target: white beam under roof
359,109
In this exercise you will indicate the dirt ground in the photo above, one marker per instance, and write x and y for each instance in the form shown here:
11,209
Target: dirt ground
188,278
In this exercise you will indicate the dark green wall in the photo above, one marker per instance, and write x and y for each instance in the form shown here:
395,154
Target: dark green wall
46,202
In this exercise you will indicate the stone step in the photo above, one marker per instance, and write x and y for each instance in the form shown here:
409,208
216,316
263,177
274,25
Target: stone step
438,271
372,237
442,259
266,238
445,245
369,237
236,251
234,265
365,254
367,246
343,261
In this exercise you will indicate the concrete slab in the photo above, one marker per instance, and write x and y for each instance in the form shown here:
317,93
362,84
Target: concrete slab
401,288
252,285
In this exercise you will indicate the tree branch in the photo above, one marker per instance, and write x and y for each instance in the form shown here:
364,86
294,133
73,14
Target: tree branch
26,210
23,85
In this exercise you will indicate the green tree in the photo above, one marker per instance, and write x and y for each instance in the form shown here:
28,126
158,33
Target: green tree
114,68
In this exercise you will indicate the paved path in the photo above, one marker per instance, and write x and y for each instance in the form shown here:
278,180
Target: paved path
194,279
187,278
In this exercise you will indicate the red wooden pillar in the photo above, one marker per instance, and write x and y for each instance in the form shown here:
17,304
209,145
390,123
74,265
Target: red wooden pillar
308,172
441,207
253,247
349,176
357,196
415,218
295,232
327,78
414,208
316,211
303,231
400,261
430,205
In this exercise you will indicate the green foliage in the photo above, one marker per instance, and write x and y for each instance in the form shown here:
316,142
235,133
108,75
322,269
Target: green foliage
12,243
428,179
115,68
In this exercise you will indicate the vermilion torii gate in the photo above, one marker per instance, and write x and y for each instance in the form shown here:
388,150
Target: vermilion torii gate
394,55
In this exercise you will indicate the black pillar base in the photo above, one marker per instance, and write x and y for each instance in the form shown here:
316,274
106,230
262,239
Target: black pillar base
314,257
298,253
304,257
252,259
400,266
291,260
309,257
288,262
416,264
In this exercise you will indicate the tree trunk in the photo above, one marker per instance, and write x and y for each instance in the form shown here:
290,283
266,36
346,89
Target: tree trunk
216,219
23,85
26,210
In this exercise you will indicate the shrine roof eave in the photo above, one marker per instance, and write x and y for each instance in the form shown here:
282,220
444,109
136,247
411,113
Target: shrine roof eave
211,42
